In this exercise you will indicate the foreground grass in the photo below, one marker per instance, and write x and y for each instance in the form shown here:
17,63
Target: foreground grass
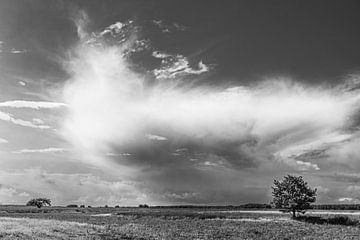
26,228
162,224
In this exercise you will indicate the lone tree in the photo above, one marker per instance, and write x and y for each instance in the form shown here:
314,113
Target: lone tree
292,194
39,202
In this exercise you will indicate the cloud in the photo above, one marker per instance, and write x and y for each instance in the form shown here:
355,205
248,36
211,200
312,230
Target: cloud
16,51
31,104
5,49
64,188
156,137
113,28
175,66
117,154
277,118
42,150
230,133
2,140
346,199
37,121
9,118
167,28
81,20
304,166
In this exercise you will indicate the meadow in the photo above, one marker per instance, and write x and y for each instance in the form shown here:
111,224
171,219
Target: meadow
21,222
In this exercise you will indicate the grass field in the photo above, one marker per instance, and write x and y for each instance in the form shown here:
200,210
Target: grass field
19,222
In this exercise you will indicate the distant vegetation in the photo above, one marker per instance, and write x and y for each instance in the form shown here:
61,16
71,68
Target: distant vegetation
39,202
336,206
72,205
241,206
292,194
143,206
334,220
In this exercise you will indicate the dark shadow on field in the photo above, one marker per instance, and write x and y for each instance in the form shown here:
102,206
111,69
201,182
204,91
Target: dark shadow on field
337,220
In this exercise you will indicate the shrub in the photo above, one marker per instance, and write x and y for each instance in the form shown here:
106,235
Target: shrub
337,220
82,206
117,206
89,206
143,206
72,206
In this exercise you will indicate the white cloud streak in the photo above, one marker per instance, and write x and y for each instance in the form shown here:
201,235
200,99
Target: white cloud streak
42,150
31,104
9,118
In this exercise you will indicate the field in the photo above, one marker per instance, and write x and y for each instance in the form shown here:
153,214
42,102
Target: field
19,222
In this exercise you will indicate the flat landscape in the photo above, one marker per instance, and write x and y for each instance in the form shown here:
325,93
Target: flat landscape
20,222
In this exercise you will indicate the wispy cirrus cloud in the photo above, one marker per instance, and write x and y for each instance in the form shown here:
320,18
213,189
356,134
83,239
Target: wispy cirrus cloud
4,48
41,150
31,104
10,118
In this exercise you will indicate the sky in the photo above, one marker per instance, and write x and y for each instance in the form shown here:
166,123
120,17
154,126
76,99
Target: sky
178,102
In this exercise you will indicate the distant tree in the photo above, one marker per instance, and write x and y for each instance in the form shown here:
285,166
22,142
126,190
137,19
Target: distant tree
143,206
117,206
39,202
292,194
72,206
82,206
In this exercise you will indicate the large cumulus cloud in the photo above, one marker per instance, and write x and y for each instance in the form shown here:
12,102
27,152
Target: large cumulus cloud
203,134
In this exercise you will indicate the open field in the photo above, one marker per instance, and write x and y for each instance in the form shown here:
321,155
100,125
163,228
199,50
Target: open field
135,223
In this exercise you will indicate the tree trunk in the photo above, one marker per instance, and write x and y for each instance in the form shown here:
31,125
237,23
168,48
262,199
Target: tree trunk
294,216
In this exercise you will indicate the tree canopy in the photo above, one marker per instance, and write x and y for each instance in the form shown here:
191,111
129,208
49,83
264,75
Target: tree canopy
293,194
39,202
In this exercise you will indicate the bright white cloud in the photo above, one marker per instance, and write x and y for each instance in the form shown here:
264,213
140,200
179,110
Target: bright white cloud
42,150
114,28
2,140
345,199
175,66
304,166
22,83
17,51
279,113
31,104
